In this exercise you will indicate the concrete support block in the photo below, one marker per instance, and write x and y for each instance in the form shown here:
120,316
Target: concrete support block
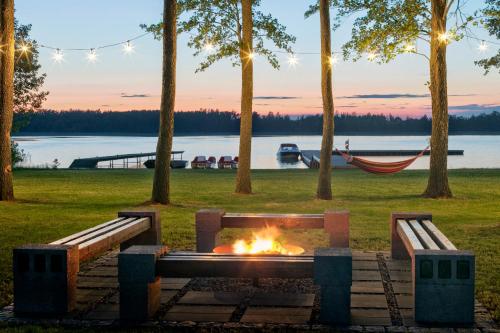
150,237
443,286
333,272
398,249
139,285
337,226
208,227
45,279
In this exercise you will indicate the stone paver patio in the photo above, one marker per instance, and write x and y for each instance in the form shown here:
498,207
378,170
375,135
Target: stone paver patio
381,300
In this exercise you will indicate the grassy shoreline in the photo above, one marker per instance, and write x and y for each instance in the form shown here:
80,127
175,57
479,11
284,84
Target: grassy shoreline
54,203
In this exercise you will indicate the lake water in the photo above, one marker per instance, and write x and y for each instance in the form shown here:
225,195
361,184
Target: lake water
479,151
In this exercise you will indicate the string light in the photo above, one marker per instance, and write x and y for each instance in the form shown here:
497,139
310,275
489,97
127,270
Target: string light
483,47
445,37
128,47
24,48
372,56
58,56
92,56
208,47
333,60
410,48
292,60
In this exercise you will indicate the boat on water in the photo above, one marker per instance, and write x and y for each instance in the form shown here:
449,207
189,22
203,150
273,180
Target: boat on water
227,162
288,151
176,161
201,162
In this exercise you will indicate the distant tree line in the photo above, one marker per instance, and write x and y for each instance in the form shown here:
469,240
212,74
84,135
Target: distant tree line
225,122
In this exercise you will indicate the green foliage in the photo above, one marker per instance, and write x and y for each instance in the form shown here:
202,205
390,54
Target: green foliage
18,155
389,28
28,81
218,23
492,23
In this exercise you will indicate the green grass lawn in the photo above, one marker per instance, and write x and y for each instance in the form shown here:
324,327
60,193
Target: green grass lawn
55,203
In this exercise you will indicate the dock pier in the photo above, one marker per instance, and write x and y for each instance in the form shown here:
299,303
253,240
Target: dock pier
92,162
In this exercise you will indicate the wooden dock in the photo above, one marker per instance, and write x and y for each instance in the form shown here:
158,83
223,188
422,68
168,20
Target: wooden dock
311,157
92,162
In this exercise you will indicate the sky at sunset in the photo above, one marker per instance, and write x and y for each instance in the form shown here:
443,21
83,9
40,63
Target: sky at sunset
119,81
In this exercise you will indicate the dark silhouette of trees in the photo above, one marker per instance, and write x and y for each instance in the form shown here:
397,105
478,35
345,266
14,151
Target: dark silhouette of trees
211,122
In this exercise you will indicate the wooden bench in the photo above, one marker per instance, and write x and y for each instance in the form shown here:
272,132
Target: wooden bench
443,277
210,222
141,267
45,275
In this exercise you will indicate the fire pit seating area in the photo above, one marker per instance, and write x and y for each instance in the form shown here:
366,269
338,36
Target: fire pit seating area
443,277
45,275
141,267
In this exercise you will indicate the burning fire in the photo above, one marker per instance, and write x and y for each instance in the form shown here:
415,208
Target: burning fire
265,241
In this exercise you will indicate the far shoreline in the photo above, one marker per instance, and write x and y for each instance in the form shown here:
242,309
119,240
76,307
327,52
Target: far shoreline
132,134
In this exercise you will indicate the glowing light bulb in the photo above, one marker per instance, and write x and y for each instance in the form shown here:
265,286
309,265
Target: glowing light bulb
292,60
483,47
208,47
128,47
92,56
372,56
58,56
445,37
409,48
333,60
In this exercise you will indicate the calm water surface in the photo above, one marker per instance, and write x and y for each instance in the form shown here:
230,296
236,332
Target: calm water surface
479,151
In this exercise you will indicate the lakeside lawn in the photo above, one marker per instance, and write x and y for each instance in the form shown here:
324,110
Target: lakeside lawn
55,203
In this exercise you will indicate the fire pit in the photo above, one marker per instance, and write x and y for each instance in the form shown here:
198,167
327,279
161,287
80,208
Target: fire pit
264,241
209,224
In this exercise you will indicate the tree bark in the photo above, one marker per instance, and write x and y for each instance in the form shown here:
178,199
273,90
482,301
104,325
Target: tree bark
324,190
161,183
6,97
243,179
437,186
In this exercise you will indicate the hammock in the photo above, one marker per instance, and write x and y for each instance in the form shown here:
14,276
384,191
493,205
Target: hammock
379,167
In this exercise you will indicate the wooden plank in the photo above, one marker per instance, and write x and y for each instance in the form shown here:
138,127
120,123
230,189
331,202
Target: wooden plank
438,236
234,220
368,301
423,236
212,298
100,232
199,313
236,266
85,232
408,237
114,237
282,299
276,315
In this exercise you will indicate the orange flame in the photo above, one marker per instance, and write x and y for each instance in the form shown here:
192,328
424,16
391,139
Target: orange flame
265,241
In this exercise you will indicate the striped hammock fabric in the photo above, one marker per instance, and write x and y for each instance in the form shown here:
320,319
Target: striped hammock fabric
380,168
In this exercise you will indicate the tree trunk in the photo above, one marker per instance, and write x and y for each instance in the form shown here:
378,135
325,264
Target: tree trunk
243,180
324,190
437,186
161,183
6,97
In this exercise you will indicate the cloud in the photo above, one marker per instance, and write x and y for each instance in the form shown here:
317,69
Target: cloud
385,96
474,109
276,97
124,95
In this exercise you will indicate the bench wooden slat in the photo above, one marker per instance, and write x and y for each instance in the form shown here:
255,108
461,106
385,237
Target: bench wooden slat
409,238
424,237
438,236
86,232
106,241
101,231
234,220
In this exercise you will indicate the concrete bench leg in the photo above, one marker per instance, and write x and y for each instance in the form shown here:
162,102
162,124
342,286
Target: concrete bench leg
398,249
337,226
208,227
139,286
151,236
45,279
333,272
443,286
